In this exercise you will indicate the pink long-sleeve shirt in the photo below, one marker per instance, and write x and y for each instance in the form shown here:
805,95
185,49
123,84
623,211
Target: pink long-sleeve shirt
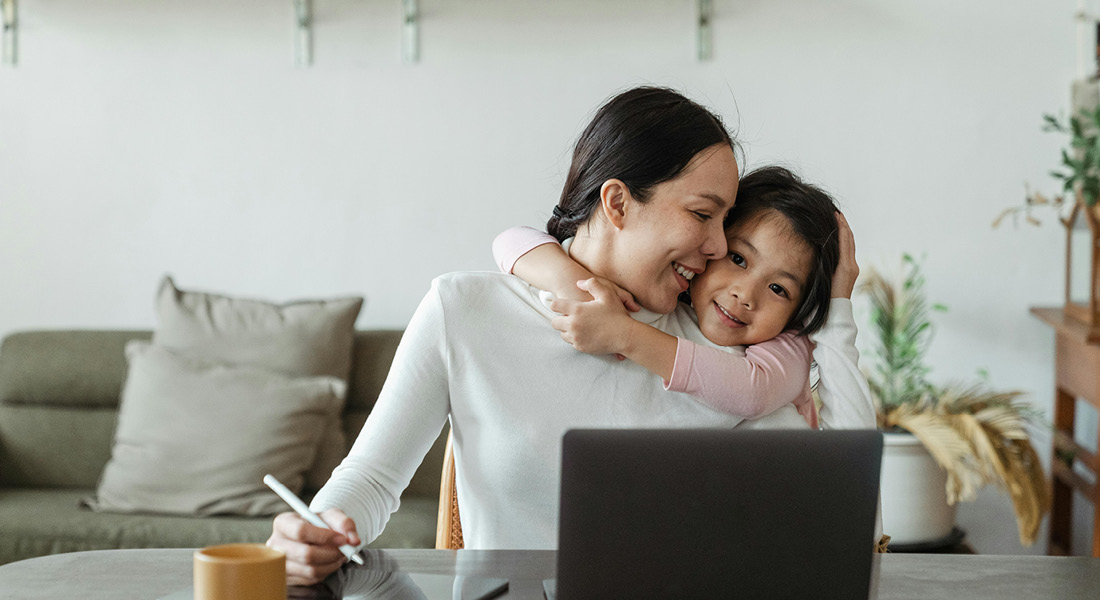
746,381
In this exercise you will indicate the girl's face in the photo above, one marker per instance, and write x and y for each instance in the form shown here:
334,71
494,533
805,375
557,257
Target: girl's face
676,231
750,296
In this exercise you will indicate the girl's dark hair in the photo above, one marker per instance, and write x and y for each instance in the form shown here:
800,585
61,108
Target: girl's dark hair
642,137
811,215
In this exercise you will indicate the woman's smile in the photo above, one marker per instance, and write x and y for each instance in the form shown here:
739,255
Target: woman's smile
683,275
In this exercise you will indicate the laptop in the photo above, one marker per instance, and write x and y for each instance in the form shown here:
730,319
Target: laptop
691,513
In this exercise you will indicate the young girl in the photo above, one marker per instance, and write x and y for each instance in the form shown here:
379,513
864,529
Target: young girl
762,301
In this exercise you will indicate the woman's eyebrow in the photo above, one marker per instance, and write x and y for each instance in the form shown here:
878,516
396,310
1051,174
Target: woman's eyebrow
715,198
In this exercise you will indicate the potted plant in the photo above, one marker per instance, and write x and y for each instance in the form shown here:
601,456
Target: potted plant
943,443
1081,175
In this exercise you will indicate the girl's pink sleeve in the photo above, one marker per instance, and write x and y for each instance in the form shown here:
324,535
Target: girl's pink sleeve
771,374
515,242
808,409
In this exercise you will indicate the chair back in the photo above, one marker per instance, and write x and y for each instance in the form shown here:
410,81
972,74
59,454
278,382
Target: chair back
448,528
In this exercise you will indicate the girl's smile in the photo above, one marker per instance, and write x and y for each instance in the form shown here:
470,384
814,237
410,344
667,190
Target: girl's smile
727,318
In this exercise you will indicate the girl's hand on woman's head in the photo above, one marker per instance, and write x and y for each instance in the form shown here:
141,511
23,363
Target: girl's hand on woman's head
600,326
844,280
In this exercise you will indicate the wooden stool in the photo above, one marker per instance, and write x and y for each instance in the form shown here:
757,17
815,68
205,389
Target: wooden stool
1077,375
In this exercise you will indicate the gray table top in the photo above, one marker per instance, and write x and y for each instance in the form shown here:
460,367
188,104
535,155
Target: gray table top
156,573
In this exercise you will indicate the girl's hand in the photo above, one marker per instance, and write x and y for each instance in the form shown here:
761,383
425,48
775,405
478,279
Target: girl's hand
844,280
580,293
599,326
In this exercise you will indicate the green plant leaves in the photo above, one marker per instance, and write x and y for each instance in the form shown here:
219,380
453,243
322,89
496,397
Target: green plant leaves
1082,157
902,332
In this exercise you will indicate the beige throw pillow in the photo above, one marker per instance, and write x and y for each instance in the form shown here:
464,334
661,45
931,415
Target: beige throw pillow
196,437
312,337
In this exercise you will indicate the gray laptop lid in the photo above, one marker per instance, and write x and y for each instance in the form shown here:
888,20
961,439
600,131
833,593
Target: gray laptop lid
717,513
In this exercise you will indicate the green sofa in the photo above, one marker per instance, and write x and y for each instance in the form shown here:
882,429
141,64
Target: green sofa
59,394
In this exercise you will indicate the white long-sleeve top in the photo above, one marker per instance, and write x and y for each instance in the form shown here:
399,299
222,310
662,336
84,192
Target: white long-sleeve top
479,350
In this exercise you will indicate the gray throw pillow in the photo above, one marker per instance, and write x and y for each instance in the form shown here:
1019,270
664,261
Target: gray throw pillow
196,437
310,337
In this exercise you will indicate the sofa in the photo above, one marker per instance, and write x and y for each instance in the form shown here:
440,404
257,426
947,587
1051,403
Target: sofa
59,399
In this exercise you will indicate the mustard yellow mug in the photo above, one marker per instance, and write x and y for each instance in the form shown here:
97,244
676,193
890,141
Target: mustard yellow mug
239,572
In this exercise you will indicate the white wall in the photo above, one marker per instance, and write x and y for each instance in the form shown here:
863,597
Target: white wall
139,138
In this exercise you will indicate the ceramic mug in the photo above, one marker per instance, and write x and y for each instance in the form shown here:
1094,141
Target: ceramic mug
239,572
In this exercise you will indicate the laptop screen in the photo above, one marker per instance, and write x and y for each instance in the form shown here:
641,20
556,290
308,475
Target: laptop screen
717,513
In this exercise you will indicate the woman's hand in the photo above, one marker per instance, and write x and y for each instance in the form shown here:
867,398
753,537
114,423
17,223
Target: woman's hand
312,553
844,280
599,326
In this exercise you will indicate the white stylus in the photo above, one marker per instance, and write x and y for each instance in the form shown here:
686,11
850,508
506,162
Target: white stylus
300,507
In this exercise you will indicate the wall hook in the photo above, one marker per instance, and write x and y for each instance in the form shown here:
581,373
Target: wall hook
410,37
10,26
303,36
704,35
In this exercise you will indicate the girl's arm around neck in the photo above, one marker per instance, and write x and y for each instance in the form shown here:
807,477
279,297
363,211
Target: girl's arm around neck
651,348
538,259
770,375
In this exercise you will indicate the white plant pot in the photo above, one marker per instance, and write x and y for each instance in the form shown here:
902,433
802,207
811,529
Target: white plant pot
914,500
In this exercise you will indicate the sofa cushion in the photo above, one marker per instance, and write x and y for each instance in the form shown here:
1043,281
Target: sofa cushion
35,522
310,337
197,437
64,368
302,338
47,378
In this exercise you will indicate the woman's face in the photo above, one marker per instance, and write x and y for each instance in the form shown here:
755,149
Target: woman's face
666,241
750,296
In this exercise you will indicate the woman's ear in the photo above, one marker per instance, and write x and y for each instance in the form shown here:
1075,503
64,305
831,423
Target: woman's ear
614,197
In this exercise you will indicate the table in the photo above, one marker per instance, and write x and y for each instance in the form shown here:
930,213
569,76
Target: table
151,574
1077,375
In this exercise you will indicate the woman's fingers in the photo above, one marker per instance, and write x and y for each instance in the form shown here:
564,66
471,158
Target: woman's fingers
295,528
341,523
302,574
312,553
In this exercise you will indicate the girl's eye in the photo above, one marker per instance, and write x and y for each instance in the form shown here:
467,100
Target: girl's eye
737,259
702,215
778,289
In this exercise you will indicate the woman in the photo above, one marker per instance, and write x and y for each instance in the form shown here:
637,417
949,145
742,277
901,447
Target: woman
652,179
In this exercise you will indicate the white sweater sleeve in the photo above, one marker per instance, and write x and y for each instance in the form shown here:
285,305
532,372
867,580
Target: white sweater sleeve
845,397
408,417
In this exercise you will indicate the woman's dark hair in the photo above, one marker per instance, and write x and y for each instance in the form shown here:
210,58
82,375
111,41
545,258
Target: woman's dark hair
642,137
811,215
